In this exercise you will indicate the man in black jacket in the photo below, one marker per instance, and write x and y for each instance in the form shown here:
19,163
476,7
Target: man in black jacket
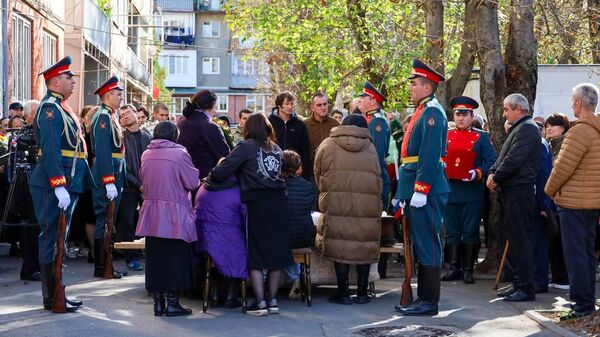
290,131
513,177
135,141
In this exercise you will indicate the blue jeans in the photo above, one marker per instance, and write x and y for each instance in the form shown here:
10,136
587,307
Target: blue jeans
293,271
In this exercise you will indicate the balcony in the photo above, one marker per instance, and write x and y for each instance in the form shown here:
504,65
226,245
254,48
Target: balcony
176,5
136,69
96,27
239,81
209,5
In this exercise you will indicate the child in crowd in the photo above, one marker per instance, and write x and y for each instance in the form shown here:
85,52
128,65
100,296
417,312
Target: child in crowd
301,196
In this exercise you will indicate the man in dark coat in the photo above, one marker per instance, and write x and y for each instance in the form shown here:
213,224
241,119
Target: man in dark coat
290,131
513,177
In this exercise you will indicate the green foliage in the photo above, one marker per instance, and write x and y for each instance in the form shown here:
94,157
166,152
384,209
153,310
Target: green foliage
159,74
105,6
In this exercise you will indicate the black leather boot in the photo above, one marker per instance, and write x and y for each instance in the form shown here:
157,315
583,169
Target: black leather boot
342,295
174,308
362,284
48,285
469,254
452,255
99,261
159,304
233,291
427,304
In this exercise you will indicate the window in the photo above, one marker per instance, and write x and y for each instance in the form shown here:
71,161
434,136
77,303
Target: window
21,54
175,64
222,103
48,50
255,103
177,105
210,29
210,65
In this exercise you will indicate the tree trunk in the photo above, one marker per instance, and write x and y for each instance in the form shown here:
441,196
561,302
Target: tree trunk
356,16
521,51
594,24
434,42
455,86
492,88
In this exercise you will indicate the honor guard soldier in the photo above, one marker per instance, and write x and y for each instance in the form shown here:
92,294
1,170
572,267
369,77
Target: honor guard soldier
370,107
423,186
61,172
108,168
470,156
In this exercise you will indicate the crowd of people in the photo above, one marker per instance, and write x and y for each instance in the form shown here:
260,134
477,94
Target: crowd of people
245,196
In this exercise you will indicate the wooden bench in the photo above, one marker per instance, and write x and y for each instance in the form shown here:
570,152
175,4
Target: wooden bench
302,256
384,251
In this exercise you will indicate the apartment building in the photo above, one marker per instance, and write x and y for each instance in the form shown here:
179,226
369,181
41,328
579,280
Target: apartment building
199,52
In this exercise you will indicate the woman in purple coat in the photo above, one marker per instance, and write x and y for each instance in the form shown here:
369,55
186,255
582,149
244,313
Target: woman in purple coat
220,222
167,219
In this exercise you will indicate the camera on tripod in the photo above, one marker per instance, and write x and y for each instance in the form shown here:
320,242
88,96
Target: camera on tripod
22,146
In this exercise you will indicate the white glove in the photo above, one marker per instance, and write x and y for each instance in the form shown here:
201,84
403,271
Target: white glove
418,200
111,191
64,200
398,203
473,174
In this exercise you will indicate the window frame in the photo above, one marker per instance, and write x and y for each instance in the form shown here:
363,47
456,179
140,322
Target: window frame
212,24
22,56
211,59
220,99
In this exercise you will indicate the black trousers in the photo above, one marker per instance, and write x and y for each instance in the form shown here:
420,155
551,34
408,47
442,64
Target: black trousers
558,268
130,200
518,210
578,243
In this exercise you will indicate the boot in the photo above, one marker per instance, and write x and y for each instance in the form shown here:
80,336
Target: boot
48,285
427,304
233,292
159,304
214,298
452,254
342,295
99,261
469,255
174,308
362,283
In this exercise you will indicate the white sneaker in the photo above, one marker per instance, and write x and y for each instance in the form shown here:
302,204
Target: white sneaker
71,253
561,286
295,292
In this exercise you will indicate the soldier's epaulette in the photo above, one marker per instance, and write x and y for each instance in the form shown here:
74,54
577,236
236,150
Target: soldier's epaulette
479,130
103,112
430,104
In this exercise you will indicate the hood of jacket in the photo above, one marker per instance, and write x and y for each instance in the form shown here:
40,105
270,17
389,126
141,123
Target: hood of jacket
275,113
351,138
163,144
593,121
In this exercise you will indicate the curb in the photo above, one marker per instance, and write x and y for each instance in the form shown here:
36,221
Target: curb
550,325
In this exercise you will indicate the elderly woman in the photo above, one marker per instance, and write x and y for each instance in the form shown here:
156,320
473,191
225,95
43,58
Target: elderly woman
167,219
348,232
557,125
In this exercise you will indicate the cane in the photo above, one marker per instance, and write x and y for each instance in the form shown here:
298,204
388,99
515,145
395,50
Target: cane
501,265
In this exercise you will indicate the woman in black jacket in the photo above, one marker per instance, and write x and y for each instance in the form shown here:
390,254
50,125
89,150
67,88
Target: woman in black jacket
301,196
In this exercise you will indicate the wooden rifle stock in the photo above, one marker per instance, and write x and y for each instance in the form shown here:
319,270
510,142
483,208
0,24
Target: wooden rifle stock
108,258
59,304
407,296
504,253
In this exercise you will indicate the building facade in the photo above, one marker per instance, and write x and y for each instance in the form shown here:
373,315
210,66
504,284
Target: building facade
199,52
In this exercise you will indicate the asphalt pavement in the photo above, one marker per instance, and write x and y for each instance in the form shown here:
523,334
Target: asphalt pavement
122,308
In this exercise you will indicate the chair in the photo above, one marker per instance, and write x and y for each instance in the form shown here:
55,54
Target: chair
302,256
209,265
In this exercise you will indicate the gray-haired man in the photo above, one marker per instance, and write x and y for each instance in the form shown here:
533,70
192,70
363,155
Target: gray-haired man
513,177
574,186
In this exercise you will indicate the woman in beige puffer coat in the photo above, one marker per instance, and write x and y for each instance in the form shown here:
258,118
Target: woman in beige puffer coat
348,232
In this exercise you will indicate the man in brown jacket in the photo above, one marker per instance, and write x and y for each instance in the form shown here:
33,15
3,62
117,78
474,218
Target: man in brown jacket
574,185
318,126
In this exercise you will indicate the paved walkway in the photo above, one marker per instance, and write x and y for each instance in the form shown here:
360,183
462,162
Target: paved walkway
121,308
